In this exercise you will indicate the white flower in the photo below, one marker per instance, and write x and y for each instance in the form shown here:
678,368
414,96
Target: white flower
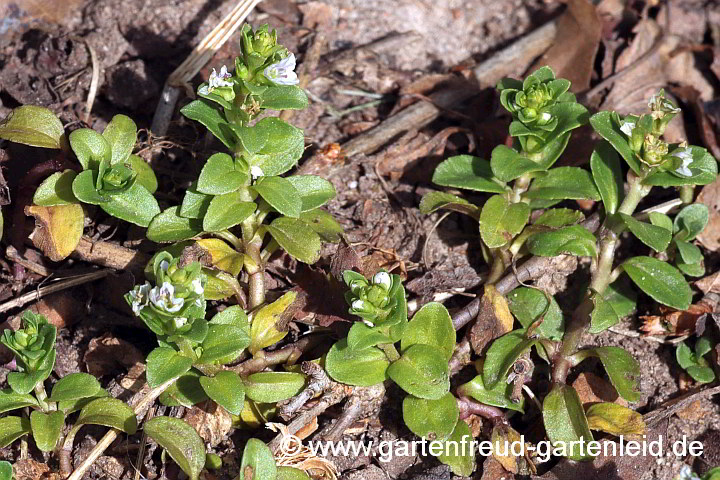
383,278
282,72
256,172
197,286
179,321
139,297
358,304
164,265
686,473
627,128
545,117
684,154
219,80
163,297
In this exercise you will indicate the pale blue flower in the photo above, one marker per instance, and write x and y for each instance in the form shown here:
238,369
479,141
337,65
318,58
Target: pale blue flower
139,296
684,154
163,298
282,72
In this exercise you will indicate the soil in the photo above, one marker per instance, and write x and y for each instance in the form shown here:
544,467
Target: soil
45,60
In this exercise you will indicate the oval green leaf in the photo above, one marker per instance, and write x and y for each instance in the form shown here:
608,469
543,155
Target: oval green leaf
363,368
181,441
431,419
271,387
659,280
422,371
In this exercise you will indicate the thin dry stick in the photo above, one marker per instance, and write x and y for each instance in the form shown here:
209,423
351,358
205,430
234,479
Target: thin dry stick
55,287
94,81
140,408
199,57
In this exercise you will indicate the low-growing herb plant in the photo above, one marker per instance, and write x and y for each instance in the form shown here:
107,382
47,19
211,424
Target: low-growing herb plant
693,361
522,179
244,189
33,347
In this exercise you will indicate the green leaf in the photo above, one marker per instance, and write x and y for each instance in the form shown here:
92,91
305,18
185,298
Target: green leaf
281,194
90,147
604,124
224,343
507,164
501,220
252,139
109,412
468,172
314,191
204,112
655,237
607,173
498,396
10,400
33,125
12,428
145,174
701,374
164,364
226,389
322,223
46,429
661,220
435,201
75,385
219,176
431,419
575,240
194,204
258,459
283,149
691,269
271,387
121,134
169,226
296,238
691,220
186,391
529,304
703,168
689,253
135,205
432,326
621,297
458,452
623,370
570,115
361,336
363,368
422,371
615,419
6,472
502,354
565,421
22,382
564,183
290,473
70,406
226,211
181,441
56,190
559,217
603,315
659,280
83,188
284,97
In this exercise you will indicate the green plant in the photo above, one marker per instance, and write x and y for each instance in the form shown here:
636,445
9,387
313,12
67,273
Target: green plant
693,362
34,349
522,179
686,473
369,355
245,189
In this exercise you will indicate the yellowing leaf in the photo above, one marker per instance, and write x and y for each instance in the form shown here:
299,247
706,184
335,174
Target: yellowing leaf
57,229
615,419
500,307
263,329
254,414
222,255
503,438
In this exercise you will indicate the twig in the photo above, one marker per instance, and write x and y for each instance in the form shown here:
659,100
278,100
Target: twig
12,254
94,81
55,287
140,402
359,401
319,382
287,354
461,356
111,255
531,269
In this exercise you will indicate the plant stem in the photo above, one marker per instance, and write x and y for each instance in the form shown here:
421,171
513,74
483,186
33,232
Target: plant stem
390,351
601,276
41,396
687,194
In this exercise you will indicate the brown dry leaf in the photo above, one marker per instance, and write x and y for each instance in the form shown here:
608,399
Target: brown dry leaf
667,64
593,389
210,420
29,469
105,354
691,96
502,438
57,229
493,320
710,196
695,411
493,470
61,309
709,284
676,322
294,454
308,429
572,54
